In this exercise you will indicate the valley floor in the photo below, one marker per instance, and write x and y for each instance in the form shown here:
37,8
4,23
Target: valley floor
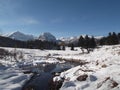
101,72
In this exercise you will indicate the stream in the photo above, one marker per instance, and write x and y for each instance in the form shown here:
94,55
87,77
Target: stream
44,74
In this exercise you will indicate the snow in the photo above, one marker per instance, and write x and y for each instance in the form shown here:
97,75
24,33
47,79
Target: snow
107,55
20,36
12,79
75,39
94,79
50,60
47,37
102,68
57,78
69,39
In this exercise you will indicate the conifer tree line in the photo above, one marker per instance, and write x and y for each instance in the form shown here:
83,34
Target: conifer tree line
36,44
111,39
87,43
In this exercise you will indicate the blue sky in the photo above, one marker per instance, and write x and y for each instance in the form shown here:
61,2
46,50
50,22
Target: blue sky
62,18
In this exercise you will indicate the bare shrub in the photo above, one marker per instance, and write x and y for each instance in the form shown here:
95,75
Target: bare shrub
114,84
21,55
97,63
3,53
118,53
101,83
11,55
104,66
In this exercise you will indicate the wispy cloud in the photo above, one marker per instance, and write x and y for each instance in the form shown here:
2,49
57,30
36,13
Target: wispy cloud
29,21
20,21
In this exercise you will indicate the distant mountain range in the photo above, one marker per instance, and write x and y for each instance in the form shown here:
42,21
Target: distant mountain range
69,40
44,37
75,39
20,36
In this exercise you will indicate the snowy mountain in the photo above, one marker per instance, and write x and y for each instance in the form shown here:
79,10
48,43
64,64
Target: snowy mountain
99,37
47,37
76,38
20,36
69,39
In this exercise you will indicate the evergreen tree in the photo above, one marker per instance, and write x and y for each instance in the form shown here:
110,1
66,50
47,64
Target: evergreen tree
115,38
119,37
109,39
102,41
92,42
58,47
63,47
112,39
81,43
87,43
72,46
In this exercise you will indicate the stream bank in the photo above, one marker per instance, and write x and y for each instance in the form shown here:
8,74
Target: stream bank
43,78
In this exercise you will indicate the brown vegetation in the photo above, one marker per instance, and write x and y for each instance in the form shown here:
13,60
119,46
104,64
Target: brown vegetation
82,77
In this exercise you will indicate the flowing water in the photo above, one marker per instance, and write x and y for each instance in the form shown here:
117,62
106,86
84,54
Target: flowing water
41,79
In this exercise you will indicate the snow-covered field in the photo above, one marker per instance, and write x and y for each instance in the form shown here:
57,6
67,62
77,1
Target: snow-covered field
102,70
11,78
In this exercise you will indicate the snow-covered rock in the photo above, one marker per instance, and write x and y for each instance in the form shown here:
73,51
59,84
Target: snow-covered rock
102,70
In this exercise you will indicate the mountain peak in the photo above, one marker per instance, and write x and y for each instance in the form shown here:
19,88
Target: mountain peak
20,36
46,36
17,32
